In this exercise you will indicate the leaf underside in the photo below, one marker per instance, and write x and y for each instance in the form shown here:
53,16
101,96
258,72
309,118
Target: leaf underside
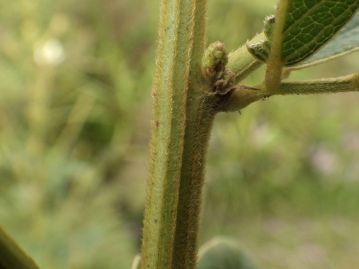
346,41
309,25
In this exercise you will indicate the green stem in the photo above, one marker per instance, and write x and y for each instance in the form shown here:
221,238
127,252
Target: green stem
241,62
12,256
192,176
243,96
183,115
274,63
348,83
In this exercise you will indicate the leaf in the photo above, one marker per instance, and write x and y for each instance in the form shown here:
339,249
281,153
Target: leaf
220,253
345,42
309,25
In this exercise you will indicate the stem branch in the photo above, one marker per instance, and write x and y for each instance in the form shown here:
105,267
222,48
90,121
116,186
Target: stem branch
242,96
241,62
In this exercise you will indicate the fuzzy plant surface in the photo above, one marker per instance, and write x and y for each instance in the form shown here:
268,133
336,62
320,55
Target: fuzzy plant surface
193,84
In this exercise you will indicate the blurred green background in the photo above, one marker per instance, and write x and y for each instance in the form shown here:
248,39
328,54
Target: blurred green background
75,82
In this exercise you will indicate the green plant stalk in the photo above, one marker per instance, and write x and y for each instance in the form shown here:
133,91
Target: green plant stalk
242,96
241,63
349,83
183,116
12,256
275,64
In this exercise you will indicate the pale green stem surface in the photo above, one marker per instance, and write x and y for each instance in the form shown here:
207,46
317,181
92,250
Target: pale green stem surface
241,63
274,63
12,256
183,117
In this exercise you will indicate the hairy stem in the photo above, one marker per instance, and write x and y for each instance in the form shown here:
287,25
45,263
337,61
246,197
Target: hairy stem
348,83
12,256
183,116
243,96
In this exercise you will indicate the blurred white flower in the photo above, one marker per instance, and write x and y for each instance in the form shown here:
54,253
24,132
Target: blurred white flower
50,52
262,134
325,161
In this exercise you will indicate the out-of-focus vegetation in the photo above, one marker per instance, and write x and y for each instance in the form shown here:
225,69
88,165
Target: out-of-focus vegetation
75,80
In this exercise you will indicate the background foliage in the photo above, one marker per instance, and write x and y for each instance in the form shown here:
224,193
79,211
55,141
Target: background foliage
75,82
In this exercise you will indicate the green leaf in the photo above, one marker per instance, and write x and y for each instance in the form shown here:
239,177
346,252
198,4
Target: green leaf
309,25
346,41
220,253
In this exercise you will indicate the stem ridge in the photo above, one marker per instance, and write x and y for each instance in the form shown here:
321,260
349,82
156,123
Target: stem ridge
179,92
